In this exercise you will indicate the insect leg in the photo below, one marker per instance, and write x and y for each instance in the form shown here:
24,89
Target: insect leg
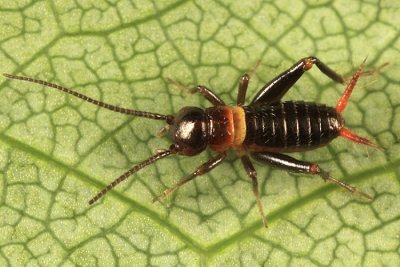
344,99
248,166
342,103
204,91
208,94
202,169
293,165
274,90
243,84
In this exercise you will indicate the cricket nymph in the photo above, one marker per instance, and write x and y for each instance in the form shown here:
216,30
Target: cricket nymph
262,130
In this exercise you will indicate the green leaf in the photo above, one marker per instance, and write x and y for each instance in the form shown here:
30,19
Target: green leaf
57,151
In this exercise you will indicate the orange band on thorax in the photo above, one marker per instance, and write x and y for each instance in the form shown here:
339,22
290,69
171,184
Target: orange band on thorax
227,127
239,125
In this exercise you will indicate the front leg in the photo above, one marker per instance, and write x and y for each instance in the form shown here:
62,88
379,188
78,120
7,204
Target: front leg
204,91
293,165
208,94
202,169
274,90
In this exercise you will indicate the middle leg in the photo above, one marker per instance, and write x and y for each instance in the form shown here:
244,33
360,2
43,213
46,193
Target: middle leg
244,83
248,166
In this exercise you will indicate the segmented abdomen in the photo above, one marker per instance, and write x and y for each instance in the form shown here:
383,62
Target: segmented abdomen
290,126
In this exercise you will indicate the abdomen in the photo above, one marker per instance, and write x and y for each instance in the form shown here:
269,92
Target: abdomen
290,126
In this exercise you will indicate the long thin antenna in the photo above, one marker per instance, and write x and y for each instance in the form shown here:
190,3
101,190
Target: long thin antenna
130,172
149,115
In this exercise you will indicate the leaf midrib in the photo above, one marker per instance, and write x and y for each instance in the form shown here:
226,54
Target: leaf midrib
191,243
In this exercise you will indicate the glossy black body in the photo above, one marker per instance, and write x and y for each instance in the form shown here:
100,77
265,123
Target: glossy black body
290,126
263,130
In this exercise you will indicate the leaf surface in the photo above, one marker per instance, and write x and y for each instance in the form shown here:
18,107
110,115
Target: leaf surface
56,151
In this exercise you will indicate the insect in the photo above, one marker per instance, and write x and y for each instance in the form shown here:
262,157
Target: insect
264,129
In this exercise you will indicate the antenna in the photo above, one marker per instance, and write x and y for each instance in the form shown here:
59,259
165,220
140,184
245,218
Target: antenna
134,169
149,115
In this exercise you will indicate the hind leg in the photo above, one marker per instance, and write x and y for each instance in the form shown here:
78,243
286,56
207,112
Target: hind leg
293,165
274,90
